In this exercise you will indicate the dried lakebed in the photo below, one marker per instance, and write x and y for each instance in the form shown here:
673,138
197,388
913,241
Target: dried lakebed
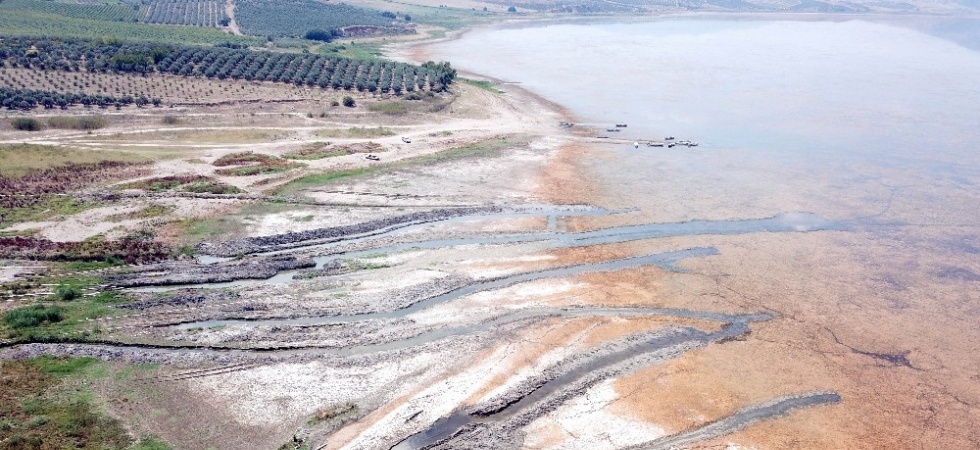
217,274
209,319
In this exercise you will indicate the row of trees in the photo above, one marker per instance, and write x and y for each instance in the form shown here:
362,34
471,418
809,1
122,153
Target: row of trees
307,69
224,62
90,11
26,99
202,13
295,17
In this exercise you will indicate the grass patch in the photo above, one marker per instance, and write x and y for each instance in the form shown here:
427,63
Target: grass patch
44,406
198,229
23,233
60,321
482,84
21,159
355,132
321,179
370,50
483,149
32,316
187,183
249,163
77,123
151,443
82,266
58,366
145,213
391,108
322,150
192,137
46,208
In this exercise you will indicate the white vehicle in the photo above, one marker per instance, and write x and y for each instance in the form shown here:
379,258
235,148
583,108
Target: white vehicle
406,140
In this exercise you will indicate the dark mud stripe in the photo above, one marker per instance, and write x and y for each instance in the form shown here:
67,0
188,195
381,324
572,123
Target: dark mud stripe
740,420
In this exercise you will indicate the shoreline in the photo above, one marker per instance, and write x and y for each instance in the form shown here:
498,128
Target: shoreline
798,350
473,352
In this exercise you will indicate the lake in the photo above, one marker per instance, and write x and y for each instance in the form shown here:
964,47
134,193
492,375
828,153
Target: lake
810,109
872,123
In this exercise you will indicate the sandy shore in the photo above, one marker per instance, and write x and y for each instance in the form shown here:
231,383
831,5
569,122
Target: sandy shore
902,385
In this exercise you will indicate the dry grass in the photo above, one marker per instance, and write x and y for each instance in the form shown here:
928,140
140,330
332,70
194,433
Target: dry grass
190,137
355,132
39,411
145,213
185,183
248,163
321,150
20,159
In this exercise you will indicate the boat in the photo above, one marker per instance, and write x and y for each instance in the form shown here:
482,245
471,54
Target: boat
655,144
669,138
612,130
620,125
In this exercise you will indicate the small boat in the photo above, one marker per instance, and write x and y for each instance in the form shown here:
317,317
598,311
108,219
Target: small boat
620,125
669,138
612,130
636,145
692,144
670,145
655,144
602,137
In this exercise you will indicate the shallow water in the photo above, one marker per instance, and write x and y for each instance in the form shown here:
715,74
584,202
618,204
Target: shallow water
814,116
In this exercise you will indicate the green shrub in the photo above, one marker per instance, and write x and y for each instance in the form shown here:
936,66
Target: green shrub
393,108
32,316
151,443
60,366
27,124
349,101
77,123
67,292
